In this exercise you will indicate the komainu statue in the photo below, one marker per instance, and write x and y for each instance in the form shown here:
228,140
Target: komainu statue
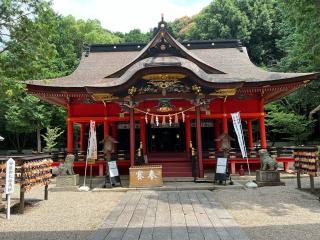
67,167
266,162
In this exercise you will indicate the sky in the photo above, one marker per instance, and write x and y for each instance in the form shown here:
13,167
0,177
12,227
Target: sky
125,15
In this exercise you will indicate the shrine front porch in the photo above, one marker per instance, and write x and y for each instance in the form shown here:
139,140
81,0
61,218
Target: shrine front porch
99,167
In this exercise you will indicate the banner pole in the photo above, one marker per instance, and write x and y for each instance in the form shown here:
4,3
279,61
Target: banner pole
248,166
91,176
8,206
85,173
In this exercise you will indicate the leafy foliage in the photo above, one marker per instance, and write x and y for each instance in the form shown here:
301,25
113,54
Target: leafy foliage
51,137
300,42
135,36
13,15
253,21
283,123
39,44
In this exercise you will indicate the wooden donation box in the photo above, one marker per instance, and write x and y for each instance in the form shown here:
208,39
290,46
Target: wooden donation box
145,176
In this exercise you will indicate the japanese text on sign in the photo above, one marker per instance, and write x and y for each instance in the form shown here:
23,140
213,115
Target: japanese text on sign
10,174
151,175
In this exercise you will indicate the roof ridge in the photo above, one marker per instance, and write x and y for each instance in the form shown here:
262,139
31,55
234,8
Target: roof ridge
192,44
161,43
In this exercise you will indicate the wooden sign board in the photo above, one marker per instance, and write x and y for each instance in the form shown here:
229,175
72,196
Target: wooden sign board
146,176
114,173
221,170
9,189
10,175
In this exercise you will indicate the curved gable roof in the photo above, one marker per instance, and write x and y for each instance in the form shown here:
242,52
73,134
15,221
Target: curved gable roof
217,61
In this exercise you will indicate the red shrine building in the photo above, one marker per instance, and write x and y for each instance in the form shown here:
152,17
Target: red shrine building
166,96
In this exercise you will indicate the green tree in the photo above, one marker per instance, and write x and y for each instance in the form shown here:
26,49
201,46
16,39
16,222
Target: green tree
51,137
136,36
254,22
221,19
43,45
300,42
24,116
282,123
181,27
13,15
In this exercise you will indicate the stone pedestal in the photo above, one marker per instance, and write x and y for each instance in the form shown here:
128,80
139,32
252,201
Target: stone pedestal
268,178
67,180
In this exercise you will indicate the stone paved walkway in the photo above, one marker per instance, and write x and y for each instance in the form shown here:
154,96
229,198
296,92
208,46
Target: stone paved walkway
163,215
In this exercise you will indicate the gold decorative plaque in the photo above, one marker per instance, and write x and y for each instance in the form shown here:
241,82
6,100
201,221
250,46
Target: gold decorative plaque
164,76
224,92
103,97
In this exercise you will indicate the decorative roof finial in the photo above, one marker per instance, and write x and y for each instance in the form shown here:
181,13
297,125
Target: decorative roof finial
162,24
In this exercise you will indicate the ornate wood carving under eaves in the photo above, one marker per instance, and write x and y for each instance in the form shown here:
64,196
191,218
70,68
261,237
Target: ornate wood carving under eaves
224,92
164,82
104,97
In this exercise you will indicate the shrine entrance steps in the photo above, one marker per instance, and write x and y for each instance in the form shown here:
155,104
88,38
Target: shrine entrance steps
173,164
169,215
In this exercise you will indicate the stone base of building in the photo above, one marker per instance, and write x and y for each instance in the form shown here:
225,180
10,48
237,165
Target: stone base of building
67,181
268,178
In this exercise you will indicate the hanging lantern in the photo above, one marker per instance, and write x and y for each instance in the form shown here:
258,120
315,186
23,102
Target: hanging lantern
152,120
176,120
170,120
146,118
163,120
157,121
183,117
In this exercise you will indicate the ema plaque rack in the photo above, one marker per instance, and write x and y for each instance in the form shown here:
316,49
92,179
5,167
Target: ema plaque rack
307,162
30,171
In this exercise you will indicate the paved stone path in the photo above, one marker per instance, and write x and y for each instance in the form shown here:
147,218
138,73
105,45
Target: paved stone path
163,215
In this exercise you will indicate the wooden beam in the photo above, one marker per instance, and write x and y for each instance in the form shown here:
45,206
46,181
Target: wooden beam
132,137
199,141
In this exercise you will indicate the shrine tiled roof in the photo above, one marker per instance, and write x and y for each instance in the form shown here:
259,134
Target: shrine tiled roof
235,62
216,62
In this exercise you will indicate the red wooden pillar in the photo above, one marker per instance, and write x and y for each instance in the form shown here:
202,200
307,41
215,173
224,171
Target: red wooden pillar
132,137
199,141
262,127
106,131
188,136
263,137
114,133
250,137
70,136
224,119
225,124
82,135
143,136
217,133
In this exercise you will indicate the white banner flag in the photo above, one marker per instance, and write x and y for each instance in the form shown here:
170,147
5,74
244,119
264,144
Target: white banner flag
238,129
92,146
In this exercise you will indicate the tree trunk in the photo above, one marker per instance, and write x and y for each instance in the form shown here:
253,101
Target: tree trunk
38,140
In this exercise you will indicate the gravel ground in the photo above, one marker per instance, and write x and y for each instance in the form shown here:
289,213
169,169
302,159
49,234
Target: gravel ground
265,213
66,215
282,212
